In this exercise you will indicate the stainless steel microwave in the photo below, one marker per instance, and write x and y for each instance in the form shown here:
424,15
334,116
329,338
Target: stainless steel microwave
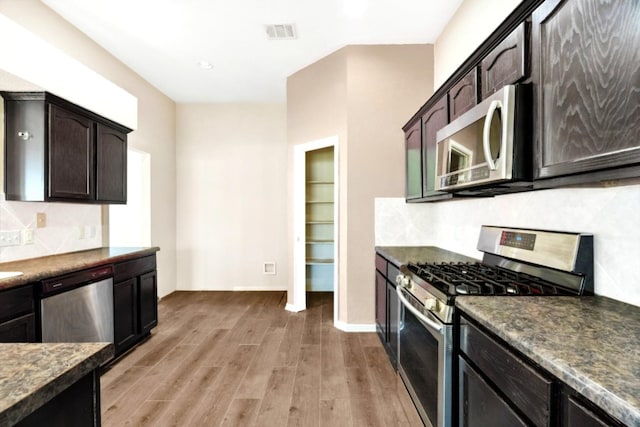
488,148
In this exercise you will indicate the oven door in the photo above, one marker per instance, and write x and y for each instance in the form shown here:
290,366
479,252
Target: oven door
424,360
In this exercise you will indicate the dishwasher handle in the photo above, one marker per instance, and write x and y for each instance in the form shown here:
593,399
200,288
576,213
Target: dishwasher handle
73,280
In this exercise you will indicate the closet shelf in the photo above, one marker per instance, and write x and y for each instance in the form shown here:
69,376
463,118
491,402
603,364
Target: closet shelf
319,261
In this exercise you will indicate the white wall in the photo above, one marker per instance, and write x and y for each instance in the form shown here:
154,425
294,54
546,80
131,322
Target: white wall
232,200
155,132
472,23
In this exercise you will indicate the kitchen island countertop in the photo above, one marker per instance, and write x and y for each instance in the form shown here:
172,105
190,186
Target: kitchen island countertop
33,374
590,343
35,269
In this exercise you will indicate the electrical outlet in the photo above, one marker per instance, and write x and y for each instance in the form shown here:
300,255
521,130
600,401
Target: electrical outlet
9,238
41,220
27,236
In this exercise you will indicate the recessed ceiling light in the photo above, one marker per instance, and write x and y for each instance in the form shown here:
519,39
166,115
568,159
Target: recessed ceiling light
205,65
355,9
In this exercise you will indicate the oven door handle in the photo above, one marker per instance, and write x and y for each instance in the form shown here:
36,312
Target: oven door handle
416,312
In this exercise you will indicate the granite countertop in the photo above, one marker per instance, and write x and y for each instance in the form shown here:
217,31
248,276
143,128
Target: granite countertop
32,374
402,255
590,343
35,269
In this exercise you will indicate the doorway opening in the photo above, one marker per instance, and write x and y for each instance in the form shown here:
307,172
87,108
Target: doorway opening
130,224
319,220
315,221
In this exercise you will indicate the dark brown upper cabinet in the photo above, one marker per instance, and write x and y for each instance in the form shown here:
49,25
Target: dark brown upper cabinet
586,65
506,64
111,155
71,151
432,121
413,160
463,95
56,151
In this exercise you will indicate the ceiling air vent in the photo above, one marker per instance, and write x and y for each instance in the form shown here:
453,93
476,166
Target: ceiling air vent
280,31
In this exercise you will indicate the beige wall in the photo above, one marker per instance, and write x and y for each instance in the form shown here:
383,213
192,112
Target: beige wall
363,94
472,23
232,203
156,120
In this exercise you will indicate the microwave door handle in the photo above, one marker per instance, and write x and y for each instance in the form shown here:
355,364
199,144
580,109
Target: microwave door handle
486,134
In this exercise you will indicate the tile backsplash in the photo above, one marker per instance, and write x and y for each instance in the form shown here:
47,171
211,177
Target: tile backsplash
611,214
69,227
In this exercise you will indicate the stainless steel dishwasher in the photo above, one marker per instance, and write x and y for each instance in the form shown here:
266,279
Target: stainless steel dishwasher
78,307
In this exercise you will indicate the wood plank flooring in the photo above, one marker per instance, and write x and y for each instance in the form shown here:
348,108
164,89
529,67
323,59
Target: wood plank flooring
240,359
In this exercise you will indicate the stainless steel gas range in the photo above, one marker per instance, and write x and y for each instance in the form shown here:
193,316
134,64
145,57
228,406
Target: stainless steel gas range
516,262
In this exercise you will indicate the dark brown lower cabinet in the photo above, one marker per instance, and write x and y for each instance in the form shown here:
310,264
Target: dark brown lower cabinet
499,387
17,316
135,300
480,404
20,329
77,405
125,301
148,302
387,307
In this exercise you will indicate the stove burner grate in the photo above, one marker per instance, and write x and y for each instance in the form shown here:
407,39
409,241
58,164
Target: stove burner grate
483,279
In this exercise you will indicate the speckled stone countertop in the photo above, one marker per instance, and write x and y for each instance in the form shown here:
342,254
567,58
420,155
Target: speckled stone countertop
590,343
35,269
402,255
32,374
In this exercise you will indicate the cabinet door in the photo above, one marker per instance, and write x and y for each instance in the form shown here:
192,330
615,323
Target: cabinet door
506,64
111,165
579,416
432,121
587,56
480,405
71,142
413,152
394,321
148,297
381,306
463,95
21,329
125,313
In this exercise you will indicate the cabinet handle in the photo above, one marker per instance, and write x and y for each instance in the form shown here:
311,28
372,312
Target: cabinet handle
24,135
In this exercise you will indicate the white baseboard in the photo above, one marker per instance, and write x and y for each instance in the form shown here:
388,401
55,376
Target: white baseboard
257,288
355,327
294,308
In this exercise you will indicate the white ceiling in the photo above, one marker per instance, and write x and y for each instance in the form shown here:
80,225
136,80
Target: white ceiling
163,40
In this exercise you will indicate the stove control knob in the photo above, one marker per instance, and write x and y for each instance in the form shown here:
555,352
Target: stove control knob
432,304
402,280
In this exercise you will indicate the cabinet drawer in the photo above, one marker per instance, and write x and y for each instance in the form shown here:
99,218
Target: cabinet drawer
15,302
522,384
381,265
463,95
392,273
506,64
128,269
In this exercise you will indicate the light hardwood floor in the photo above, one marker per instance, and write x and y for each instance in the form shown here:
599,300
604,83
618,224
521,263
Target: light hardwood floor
240,359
